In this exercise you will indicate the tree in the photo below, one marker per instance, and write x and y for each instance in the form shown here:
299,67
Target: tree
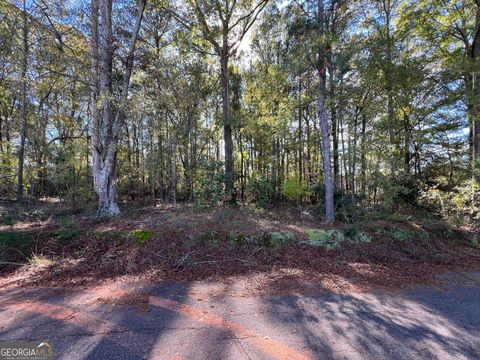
107,112
322,115
454,27
223,24
24,77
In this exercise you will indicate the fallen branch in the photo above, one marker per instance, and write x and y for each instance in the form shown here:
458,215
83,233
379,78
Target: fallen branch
185,260
5,176
10,263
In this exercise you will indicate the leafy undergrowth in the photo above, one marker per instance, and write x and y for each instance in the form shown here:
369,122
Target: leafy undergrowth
274,250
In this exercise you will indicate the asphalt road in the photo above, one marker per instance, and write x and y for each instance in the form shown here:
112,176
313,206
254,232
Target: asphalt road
168,321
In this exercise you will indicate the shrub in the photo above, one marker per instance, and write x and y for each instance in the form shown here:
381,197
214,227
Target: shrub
68,180
210,184
8,219
475,243
328,239
68,229
259,190
14,240
401,235
350,230
279,239
457,205
293,190
404,235
363,237
342,202
400,190
239,239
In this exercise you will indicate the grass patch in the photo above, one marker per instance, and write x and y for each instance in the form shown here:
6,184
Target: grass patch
142,236
40,260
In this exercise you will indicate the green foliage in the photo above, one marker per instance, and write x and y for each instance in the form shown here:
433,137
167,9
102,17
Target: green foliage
342,202
401,190
239,239
354,234
69,181
142,236
8,219
350,230
274,240
210,184
363,237
259,190
68,229
475,242
383,214
14,241
210,238
278,239
328,239
459,205
293,190
402,235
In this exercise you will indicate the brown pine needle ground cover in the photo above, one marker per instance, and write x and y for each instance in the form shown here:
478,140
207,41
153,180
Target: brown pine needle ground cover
245,248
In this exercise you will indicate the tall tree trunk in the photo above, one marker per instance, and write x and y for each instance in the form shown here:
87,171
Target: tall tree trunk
387,8
23,133
364,155
309,154
333,112
108,117
322,116
227,128
474,98
406,150
161,183
353,162
300,135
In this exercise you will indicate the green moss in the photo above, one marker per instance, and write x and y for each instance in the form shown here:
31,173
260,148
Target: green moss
142,236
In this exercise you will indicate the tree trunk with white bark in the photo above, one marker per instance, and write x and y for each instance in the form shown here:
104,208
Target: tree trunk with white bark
107,113
323,119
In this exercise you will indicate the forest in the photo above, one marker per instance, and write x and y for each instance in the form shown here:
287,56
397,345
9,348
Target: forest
329,113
